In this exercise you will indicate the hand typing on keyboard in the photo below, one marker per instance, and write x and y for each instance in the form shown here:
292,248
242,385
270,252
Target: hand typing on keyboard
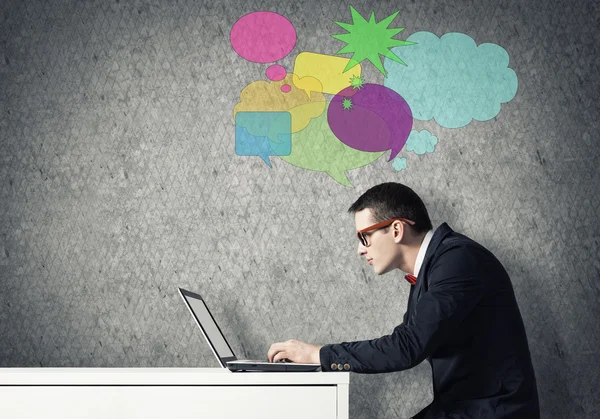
294,351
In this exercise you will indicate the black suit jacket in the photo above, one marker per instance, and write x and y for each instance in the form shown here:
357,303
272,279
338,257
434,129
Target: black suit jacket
462,317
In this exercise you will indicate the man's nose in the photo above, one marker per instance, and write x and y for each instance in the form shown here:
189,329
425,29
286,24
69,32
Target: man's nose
361,249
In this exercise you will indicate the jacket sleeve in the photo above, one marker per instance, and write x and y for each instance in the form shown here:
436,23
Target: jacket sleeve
455,287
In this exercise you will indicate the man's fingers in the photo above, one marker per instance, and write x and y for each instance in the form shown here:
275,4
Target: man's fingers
270,353
278,355
276,347
279,348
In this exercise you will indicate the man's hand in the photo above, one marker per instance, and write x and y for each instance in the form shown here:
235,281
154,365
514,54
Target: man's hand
295,351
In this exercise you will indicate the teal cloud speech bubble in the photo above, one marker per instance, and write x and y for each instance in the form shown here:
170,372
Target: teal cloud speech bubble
399,163
421,142
452,79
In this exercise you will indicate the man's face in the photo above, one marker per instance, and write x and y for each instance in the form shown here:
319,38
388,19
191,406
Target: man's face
381,249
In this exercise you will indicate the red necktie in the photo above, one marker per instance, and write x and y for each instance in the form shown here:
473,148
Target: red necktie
411,278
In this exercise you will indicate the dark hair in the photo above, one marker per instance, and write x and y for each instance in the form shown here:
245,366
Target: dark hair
391,199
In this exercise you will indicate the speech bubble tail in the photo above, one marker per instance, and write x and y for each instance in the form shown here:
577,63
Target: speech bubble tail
266,159
393,154
307,93
340,177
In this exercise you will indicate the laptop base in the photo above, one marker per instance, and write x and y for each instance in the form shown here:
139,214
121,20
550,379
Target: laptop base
272,367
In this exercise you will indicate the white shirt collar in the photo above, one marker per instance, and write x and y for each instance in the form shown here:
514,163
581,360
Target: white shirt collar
422,251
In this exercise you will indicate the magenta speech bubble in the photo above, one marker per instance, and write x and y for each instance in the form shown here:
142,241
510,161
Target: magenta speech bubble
378,119
263,37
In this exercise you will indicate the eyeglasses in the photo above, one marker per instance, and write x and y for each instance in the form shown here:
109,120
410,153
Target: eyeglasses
363,238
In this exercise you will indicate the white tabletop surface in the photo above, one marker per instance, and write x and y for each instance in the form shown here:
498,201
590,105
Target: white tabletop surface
163,376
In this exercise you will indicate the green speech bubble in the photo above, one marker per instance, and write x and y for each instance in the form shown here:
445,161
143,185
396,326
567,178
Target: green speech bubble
317,148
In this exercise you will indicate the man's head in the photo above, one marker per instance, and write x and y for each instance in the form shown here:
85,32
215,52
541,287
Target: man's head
396,244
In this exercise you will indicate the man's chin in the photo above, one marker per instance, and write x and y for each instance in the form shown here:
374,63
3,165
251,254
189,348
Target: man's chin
380,272
384,270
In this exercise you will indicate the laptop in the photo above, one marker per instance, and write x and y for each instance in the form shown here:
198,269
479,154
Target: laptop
220,347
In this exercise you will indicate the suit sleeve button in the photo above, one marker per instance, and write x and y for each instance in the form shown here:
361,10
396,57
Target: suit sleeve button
346,367
333,366
339,367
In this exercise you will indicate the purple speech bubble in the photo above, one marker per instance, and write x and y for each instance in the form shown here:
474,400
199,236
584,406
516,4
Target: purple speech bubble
377,120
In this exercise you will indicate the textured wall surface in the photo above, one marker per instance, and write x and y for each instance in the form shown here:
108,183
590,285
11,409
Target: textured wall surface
119,182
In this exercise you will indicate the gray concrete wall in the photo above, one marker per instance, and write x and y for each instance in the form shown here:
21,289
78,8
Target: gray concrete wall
119,182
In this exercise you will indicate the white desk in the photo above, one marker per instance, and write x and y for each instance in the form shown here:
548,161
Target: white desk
182,393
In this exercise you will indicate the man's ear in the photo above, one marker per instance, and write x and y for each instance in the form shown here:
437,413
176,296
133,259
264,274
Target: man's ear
399,231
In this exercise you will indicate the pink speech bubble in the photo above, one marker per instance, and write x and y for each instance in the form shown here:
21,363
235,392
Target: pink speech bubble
276,72
263,37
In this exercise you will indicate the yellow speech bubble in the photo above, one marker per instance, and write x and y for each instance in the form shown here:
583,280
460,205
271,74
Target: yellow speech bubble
261,96
328,69
308,84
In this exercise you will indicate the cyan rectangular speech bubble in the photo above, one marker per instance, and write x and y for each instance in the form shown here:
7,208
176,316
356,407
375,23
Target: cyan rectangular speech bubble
263,134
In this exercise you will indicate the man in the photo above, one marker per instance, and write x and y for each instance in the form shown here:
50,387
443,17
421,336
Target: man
462,315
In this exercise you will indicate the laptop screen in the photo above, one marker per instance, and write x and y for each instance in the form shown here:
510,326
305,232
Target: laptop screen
207,324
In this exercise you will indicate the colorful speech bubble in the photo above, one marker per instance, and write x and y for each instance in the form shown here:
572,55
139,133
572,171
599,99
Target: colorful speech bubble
329,70
452,79
372,118
254,131
316,148
421,142
263,37
276,72
367,40
262,96
307,83
399,163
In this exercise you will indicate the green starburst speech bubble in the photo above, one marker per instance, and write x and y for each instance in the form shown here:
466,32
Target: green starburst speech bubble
347,104
357,82
367,40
